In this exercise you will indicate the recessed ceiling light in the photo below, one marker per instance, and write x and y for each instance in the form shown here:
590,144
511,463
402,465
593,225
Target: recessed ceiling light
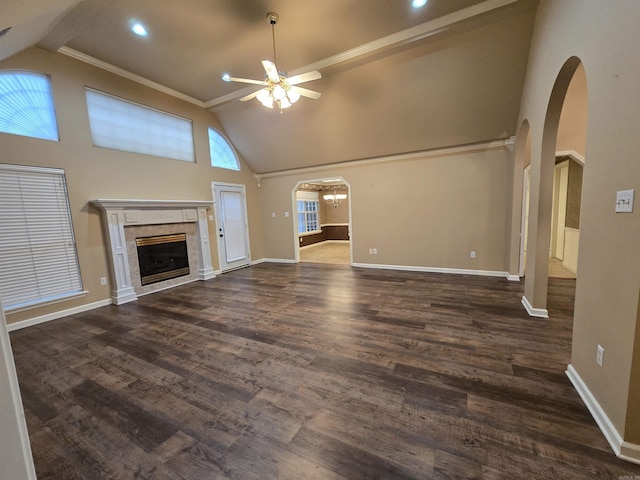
419,3
138,29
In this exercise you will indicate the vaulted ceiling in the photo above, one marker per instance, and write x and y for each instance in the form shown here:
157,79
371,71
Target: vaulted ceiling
394,79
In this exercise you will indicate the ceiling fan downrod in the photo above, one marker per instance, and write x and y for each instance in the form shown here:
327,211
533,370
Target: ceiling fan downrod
272,18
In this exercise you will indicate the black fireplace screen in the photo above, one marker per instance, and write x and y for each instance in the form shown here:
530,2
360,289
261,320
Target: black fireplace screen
162,257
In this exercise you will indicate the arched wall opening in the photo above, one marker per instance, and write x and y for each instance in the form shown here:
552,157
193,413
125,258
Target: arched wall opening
541,205
331,238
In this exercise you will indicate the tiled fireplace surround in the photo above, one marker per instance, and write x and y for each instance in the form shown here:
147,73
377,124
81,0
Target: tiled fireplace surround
124,220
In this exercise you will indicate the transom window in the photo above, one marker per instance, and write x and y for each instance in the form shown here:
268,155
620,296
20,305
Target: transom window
222,154
308,207
26,105
123,125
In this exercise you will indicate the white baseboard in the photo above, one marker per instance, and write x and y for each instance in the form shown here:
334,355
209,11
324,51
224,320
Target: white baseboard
410,268
55,315
272,260
513,278
623,450
534,312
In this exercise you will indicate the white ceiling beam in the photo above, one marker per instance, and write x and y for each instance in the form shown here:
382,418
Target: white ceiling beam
404,37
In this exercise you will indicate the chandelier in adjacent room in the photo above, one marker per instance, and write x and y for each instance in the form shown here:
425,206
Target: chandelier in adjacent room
334,199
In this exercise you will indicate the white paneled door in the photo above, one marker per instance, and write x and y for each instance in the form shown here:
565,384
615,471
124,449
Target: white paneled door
232,230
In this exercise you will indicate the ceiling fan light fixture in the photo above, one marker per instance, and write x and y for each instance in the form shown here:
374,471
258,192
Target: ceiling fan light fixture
293,96
265,98
284,103
278,89
279,93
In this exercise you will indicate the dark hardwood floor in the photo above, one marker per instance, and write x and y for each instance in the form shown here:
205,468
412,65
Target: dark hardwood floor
312,371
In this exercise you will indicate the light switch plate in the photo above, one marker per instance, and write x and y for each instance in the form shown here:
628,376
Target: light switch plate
624,201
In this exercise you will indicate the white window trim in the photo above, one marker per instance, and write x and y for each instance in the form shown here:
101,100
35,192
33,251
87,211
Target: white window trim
26,305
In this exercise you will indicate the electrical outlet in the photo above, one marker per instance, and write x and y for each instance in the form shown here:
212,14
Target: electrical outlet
473,254
103,280
375,251
371,251
600,355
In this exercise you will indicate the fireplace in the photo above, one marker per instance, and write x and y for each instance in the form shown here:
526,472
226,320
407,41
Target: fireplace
162,257
127,220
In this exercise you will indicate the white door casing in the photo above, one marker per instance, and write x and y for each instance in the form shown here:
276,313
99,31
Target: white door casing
561,216
524,228
232,231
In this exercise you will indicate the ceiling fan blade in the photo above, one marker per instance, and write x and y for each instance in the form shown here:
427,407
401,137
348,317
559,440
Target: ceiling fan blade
250,96
272,71
244,80
305,92
304,77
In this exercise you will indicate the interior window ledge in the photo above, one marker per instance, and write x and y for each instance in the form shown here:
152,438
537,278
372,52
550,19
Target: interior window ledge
42,303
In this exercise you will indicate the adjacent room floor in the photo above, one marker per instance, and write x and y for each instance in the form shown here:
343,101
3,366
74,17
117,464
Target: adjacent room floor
312,371
334,252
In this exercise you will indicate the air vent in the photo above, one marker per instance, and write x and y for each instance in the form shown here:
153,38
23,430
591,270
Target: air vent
4,31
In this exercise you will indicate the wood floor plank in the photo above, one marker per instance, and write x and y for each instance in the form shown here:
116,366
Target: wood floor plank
312,371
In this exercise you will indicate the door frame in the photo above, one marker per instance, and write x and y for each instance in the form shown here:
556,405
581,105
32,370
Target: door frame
215,189
556,246
294,211
524,226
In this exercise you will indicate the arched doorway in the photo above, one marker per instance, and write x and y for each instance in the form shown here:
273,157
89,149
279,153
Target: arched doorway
543,233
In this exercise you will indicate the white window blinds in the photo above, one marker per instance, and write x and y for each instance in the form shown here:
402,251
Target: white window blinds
222,155
122,125
26,105
38,261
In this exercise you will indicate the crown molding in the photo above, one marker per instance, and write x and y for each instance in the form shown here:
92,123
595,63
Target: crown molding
129,75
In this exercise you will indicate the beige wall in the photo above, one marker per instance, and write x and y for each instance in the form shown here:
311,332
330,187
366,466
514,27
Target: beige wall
606,42
102,173
426,212
572,131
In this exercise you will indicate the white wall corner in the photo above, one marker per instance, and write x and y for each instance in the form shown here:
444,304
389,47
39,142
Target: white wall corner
534,312
16,461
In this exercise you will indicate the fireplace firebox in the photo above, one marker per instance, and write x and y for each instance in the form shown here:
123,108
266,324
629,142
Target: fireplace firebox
162,257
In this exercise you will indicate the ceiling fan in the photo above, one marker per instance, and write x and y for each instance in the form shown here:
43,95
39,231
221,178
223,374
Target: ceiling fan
279,90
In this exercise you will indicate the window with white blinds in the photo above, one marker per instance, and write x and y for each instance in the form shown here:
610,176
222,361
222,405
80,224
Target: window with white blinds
38,261
26,106
123,125
308,206
222,155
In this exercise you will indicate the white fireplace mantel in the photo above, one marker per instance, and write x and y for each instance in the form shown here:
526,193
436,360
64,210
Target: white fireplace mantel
121,213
